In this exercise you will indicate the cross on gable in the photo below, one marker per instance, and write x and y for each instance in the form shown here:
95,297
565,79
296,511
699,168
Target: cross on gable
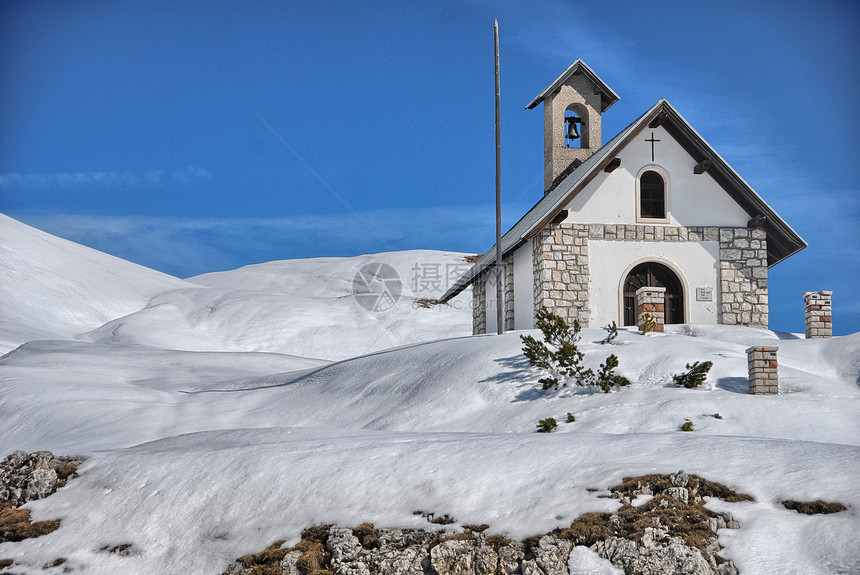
653,140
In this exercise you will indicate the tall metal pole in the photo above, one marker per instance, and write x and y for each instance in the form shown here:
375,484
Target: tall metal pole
500,278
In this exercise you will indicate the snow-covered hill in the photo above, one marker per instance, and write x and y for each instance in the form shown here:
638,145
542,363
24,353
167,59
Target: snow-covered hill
54,288
51,288
211,431
297,307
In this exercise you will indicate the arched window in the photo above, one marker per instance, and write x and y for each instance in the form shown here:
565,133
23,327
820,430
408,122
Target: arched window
652,196
653,274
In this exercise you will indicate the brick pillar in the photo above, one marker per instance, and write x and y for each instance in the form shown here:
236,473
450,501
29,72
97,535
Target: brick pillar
818,314
762,365
651,300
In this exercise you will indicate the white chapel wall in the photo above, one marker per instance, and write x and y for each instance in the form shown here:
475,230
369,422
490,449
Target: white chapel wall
523,287
693,200
695,263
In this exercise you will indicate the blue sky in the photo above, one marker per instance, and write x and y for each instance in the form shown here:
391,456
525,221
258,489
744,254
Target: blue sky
201,136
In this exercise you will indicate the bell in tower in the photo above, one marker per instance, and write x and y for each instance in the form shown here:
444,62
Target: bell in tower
571,136
572,106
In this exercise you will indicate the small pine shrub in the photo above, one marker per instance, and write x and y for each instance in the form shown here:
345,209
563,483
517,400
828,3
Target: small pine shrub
548,383
688,426
612,328
547,425
558,354
717,416
570,417
649,322
606,378
695,376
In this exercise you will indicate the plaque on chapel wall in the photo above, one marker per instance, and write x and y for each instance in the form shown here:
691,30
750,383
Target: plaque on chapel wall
704,294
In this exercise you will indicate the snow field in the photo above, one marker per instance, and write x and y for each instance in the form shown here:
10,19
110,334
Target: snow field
225,412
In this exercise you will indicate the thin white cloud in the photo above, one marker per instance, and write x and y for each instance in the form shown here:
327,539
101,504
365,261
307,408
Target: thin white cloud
185,247
189,246
187,176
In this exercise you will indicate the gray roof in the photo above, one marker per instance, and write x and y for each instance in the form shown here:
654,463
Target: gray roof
607,94
783,241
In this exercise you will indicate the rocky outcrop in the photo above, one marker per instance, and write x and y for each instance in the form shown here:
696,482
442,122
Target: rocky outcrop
29,476
26,477
672,533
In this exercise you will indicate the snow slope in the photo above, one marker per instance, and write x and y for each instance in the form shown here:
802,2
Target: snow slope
199,454
297,307
51,288
54,288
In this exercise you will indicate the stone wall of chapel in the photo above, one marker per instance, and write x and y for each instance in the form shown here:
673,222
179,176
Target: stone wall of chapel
743,277
479,305
562,268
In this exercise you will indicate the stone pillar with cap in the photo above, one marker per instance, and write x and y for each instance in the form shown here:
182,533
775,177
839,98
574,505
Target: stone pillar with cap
818,314
763,366
651,300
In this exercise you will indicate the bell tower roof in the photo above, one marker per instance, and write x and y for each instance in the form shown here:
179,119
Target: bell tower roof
607,94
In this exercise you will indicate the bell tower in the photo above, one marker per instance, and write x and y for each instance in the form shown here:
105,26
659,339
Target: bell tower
572,108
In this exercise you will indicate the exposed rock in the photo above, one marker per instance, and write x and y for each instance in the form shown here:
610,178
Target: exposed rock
674,558
621,552
551,555
408,561
682,494
289,564
510,557
672,533
343,545
458,557
680,479
29,476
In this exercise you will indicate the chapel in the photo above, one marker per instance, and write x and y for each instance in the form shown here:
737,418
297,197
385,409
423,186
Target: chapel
655,207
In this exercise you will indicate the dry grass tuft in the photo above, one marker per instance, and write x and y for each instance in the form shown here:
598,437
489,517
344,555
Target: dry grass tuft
426,302
588,529
658,484
688,521
5,563
318,533
497,542
65,471
270,555
15,525
313,559
814,507
476,528
473,259
367,535
718,490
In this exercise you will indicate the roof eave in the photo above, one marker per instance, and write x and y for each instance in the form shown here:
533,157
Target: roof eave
608,95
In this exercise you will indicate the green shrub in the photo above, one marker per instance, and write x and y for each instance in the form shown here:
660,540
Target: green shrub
695,375
612,328
605,378
649,322
570,417
559,354
547,425
688,426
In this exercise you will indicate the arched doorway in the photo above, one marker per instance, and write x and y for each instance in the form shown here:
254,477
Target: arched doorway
653,274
